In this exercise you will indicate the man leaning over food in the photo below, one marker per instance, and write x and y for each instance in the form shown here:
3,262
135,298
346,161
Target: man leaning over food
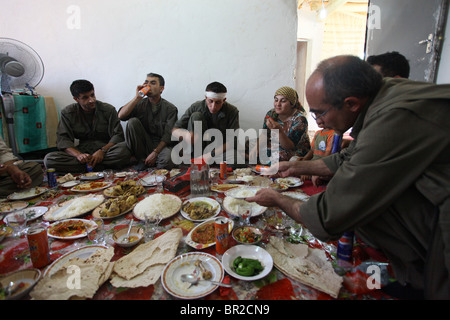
391,185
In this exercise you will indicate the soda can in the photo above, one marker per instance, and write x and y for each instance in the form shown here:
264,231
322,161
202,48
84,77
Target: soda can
336,143
345,246
223,170
144,91
222,235
89,168
38,243
51,178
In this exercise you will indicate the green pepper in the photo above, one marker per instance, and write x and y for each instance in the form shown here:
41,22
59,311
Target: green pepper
237,261
247,267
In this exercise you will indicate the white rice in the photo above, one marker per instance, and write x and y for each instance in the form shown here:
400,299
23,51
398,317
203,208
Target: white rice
165,204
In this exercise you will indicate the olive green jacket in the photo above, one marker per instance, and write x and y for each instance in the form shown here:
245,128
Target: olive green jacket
158,120
228,116
73,125
392,185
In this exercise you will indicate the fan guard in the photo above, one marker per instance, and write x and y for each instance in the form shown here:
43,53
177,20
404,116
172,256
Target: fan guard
16,53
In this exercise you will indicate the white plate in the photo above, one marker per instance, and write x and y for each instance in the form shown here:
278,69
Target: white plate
27,194
92,176
7,207
152,179
53,215
35,212
291,182
210,201
200,246
242,192
141,208
297,195
82,253
96,212
124,174
184,264
222,188
230,206
84,234
70,184
101,186
249,252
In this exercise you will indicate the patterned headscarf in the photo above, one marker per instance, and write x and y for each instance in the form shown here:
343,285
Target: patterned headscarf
289,94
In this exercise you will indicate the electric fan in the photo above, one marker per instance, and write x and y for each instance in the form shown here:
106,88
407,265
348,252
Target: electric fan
21,67
21,70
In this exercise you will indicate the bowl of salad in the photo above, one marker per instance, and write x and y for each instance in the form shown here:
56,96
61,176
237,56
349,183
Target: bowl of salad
247,234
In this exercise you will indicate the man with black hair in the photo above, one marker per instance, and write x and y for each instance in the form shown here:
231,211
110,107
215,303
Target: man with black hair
390,64
213,112
150,121
97,128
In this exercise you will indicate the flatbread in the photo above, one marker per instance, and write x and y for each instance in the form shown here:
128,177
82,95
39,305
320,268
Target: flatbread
64,285
146,278
306,265
143,266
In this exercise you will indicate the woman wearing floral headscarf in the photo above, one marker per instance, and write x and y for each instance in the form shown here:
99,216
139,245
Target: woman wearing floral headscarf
288,116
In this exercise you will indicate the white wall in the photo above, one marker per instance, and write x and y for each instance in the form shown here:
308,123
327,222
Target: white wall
250,46
443,75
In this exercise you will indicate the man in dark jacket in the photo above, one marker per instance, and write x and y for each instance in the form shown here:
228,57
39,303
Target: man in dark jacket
150,122
392,184
96,127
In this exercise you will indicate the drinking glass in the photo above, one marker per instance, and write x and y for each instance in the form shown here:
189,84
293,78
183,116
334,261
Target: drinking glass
151,225
245,213
159,184
17,221
108,175
97,234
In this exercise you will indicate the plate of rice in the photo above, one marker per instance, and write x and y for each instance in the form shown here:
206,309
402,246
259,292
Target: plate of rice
242,192
165,204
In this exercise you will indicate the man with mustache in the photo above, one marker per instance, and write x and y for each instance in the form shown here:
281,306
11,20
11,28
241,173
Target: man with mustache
97,128
391,184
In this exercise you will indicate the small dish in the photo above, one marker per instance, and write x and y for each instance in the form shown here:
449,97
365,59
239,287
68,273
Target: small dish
26,279
247,235
69,184
248,252
136,235
278,186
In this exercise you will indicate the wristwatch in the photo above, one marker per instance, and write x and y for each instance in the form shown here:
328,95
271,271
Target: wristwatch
104,149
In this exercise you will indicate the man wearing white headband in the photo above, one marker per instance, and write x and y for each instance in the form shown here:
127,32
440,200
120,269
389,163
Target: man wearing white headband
213,113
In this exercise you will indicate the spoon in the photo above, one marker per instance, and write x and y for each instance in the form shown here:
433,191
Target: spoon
11,288
194,280
127,238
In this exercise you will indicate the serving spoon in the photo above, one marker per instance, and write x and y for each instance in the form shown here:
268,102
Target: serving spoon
194,280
